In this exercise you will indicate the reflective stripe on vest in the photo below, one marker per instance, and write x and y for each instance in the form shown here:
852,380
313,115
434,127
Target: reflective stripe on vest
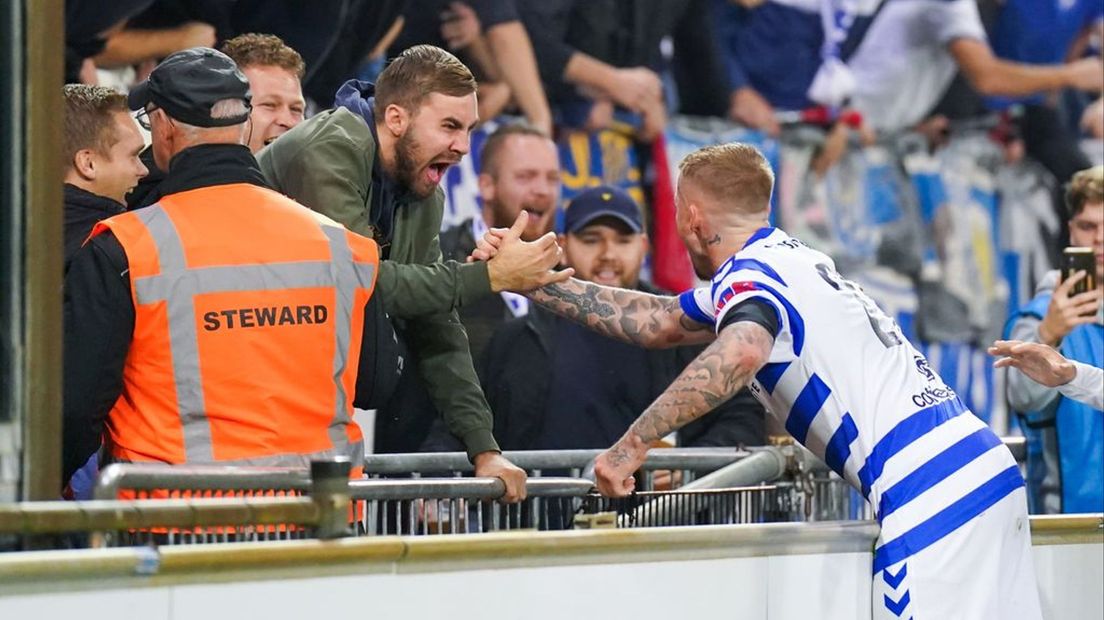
184,284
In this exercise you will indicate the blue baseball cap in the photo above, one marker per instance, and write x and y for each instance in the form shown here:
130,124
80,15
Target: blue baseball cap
598,202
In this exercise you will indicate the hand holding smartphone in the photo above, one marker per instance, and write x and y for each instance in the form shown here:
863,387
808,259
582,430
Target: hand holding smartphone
1079,259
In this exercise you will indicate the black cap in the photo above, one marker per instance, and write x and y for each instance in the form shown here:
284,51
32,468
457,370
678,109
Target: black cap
189,82
604,201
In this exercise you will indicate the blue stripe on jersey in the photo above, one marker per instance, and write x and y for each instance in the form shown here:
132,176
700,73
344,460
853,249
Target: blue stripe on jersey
947,520
806,406
838,449
899,437
744,264
769,375
690,307
797,324
762,233
753,264
936,470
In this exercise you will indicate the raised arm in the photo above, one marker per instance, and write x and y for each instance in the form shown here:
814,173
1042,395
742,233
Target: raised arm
991,75
643,319
724,368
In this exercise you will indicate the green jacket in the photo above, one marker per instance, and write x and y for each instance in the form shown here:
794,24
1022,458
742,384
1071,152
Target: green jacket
326,164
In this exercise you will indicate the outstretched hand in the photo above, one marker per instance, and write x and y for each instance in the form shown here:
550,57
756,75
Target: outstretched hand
1041,363
517,265
487,246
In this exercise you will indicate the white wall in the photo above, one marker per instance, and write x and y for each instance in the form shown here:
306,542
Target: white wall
793,587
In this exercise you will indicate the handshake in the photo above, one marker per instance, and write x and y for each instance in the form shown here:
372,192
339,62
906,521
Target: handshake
516,265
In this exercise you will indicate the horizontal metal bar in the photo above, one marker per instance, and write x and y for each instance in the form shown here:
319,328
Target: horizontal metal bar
61,570
232,478
701,459
763,466
427,488
150,476
558,487
466,488
106,515
696,459
1068,529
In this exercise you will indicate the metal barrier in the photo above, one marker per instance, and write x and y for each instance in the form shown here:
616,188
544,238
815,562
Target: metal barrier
464,505
689,462
758,504
233,504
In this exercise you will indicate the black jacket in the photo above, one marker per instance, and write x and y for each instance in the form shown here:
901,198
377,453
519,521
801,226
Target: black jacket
516,374
82,210
99,313
481,316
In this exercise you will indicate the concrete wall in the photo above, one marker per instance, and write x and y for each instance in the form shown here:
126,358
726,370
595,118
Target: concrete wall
710,572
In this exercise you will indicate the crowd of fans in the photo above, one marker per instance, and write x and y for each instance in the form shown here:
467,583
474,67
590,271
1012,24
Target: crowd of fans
860,76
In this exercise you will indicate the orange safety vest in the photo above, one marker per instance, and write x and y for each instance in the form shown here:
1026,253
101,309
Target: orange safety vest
248,316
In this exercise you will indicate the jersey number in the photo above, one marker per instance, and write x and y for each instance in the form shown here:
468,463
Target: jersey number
884,327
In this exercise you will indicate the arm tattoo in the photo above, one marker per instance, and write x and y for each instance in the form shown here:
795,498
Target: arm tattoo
712,378
630,316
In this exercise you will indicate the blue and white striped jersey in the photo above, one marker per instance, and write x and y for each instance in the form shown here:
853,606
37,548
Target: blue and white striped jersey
850,388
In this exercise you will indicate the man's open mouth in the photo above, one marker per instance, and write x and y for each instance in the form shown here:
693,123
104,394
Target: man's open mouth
436,171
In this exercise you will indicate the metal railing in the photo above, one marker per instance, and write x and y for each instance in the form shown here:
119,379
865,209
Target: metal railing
688,462
221,504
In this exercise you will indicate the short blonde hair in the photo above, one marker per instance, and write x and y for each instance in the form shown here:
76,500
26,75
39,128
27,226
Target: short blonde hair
1085,187
734,174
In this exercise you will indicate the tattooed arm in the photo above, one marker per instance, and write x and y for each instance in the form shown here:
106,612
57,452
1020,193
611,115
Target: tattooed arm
646,320
713,377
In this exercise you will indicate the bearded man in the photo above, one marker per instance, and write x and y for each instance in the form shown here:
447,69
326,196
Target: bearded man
374,164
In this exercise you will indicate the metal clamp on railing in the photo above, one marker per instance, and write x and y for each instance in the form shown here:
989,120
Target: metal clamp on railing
330,492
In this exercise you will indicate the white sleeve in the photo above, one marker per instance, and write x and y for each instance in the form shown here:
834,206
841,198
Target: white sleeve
1087,386
697,304
956,19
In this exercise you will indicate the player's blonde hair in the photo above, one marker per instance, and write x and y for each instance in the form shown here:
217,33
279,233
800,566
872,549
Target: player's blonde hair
735,175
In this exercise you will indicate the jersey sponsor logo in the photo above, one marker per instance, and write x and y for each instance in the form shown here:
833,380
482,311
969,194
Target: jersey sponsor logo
923,368
735,289
932,395
238,318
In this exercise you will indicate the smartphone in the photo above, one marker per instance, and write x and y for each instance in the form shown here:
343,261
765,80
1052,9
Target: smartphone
1079,259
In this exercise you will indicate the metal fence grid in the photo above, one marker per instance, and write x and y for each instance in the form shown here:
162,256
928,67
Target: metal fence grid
759,504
